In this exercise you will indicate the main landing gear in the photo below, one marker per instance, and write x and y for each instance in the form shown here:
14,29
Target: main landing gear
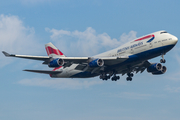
130,75
104,76
115,78
162,60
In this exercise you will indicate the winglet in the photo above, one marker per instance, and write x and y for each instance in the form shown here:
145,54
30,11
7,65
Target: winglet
7,54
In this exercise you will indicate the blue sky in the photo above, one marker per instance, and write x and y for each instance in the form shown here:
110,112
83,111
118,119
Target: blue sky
85,28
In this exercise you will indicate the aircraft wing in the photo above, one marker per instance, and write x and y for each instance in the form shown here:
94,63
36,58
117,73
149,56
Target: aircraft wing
83,61
107,60
44,71
47,59
113,60
70,60
42,58
138,67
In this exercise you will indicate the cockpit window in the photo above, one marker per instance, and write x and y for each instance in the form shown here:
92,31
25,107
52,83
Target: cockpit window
163,32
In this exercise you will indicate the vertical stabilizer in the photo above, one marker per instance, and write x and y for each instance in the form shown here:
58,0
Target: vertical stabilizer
52,51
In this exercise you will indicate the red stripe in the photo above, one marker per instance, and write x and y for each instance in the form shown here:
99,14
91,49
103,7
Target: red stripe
50,50
144,37
57,68
47,51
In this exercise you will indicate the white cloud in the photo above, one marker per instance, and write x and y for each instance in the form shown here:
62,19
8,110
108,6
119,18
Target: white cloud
172,89
88,42
128,37
62,83
15,37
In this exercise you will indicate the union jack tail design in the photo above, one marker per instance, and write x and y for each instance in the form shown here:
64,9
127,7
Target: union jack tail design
52,51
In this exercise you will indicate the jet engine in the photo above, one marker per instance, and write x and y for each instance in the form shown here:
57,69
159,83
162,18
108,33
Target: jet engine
162,71
156,69
56,62
96,63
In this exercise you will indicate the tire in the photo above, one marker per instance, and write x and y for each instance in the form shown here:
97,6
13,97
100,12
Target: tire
131,75
129,79
164,61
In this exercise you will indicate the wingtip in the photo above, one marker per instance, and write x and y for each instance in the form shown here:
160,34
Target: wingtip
5,53
27,70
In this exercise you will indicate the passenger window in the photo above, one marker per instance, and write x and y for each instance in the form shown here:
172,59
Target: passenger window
164,40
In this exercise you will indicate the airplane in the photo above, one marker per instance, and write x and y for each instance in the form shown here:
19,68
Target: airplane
128,59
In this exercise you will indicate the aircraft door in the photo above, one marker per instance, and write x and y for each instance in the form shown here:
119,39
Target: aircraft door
150,45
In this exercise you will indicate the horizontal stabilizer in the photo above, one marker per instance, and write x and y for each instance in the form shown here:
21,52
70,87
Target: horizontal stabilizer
44,71
7,54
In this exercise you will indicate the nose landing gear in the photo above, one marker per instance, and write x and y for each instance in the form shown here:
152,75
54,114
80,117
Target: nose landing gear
162,60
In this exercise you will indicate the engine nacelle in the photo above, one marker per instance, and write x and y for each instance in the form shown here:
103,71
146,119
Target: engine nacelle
56,62
96,63
162,71
156,67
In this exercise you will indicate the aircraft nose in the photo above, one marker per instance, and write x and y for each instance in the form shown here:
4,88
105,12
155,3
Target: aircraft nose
175,39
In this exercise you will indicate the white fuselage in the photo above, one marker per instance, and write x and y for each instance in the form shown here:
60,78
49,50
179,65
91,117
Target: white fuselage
146,47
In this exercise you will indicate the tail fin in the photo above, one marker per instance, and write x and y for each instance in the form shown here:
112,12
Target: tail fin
52,51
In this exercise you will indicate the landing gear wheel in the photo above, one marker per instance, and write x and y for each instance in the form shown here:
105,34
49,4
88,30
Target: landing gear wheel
115,78
108,77
163,61
130,74
129,78
104,76
112,78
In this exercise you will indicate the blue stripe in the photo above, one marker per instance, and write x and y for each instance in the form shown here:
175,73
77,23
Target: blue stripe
150,40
